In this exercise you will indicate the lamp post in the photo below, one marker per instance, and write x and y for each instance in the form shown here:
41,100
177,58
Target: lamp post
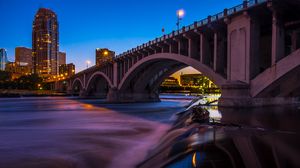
180,13
88,62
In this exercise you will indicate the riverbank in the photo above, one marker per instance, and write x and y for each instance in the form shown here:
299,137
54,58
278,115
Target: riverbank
28,93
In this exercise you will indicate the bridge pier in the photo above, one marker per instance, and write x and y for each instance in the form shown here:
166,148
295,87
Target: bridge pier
112,95
237,94
83,93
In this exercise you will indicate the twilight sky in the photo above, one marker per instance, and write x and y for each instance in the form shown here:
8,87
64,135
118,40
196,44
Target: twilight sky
85,25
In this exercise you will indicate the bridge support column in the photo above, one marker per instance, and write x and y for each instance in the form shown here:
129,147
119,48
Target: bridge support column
239,40
115,74
112,95
295,40
69,91
192,47
215,51
277,39
83,93
174,47
204,50
202,47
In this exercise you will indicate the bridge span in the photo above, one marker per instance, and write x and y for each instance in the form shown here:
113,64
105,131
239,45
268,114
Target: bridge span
251,51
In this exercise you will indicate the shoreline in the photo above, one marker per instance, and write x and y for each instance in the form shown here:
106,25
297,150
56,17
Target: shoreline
6,93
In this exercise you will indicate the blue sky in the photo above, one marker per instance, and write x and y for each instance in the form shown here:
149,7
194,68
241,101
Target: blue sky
89,24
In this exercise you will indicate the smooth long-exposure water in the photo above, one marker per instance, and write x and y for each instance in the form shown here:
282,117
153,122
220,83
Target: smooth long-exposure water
61,132
65,132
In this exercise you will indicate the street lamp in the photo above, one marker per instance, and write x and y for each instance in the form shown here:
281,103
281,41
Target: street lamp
88,62
180,13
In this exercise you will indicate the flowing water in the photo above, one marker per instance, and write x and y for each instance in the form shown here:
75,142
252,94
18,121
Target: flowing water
62,132
66,132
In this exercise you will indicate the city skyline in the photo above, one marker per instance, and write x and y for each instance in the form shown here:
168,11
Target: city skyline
84,30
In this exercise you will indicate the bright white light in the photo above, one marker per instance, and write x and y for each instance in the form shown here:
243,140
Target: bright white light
180,13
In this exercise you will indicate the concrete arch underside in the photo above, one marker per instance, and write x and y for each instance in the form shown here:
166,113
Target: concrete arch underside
77,86
142,80
168,57
98,85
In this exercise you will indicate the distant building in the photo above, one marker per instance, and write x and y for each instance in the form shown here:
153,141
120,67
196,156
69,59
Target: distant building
23,56
45,46
203,83
196,80
67,70
61,58
103,55
18,69
170,82
191,79
3,59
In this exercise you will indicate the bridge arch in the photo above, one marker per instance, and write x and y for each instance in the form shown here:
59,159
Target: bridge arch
77,86
98,73
77,80
169,59
96,79
142,80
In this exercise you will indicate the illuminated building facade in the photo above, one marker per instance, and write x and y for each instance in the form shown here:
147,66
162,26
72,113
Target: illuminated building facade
23,56
103,55
170,82
61,58
45,45
67,70
197,80
18,69
193,79
3,59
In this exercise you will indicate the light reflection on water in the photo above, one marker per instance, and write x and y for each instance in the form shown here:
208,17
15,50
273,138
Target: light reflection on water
243,137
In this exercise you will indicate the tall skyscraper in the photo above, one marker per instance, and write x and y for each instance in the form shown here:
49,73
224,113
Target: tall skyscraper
61,58
45,45
23,56
103,55
3,59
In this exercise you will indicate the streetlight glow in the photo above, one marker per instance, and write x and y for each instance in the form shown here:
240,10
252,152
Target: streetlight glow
88,62
180,13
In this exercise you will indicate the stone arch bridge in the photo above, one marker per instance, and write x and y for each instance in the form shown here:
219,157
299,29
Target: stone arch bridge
251,51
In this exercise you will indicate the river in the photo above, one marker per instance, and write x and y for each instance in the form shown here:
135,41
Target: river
68,132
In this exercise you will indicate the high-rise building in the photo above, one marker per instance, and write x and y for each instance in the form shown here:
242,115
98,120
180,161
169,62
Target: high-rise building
45,44
103,55
67,70
23,56
3,59
61,58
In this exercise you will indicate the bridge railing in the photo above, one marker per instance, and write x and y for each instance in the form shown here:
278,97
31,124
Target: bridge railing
227,12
